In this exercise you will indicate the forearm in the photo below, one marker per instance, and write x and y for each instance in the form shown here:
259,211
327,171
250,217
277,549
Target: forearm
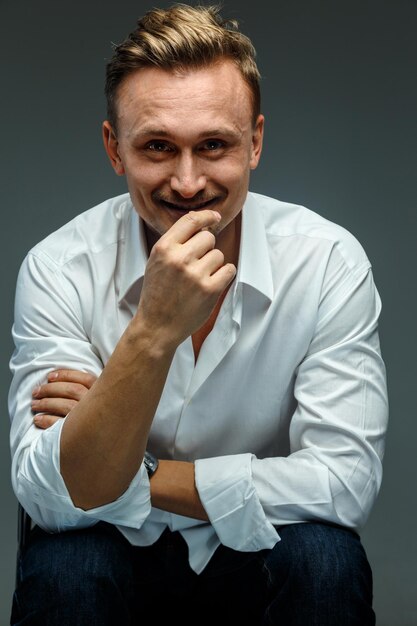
173,489
105,435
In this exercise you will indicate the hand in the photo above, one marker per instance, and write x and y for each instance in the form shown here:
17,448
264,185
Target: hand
55,399
184,278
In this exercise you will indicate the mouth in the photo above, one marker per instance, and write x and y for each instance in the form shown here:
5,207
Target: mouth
185,208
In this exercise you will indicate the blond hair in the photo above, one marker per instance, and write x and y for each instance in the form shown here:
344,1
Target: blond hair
179,38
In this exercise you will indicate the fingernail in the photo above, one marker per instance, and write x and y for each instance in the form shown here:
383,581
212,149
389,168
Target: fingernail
52,375
37,419
35,392
35,403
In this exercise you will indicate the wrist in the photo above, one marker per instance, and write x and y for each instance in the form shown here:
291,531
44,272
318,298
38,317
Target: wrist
146,339
154,338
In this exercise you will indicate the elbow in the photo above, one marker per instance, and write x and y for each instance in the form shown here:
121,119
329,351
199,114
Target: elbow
353,504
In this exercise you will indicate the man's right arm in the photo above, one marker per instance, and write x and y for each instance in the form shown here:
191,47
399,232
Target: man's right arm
104,437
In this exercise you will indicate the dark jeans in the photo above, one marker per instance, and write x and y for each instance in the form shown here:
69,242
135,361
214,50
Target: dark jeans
317,575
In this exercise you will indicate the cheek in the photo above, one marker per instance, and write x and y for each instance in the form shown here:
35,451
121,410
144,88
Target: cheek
239,180
228,173
145,176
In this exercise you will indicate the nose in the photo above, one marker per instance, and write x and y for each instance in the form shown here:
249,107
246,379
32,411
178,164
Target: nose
186,179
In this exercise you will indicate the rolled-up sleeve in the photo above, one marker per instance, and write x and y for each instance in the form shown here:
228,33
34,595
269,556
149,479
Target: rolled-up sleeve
227,492
48,334
337,433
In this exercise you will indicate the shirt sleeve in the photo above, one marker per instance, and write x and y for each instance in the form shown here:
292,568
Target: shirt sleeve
48,334
337,432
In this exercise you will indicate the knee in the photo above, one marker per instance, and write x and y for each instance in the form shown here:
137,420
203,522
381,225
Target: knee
72,563
75,577
320,559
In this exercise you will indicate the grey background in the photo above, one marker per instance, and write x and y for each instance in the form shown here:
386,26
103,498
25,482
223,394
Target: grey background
339,95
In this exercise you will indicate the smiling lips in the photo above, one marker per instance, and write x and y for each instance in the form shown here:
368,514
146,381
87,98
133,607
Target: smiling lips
189,207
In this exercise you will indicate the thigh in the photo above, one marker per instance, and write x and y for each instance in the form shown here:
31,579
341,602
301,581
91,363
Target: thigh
76,577
320,575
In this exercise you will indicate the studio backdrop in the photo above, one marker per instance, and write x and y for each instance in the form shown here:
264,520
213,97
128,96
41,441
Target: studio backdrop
339,95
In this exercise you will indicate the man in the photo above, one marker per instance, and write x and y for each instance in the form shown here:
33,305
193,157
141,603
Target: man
214,354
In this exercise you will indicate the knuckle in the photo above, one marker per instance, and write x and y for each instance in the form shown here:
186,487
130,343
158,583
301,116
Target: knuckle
207,288
219,256
90,380
160,248
44,403
210,239
192,216
179,262
49,420
81,392
68,389
78,390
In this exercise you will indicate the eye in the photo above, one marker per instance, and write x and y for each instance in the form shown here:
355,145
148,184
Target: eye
158,146
213,144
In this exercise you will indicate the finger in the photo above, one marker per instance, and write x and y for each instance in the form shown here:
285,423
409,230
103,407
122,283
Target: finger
72,376
54,406
75,391
189,224
211,262
198,245
220,279
43,420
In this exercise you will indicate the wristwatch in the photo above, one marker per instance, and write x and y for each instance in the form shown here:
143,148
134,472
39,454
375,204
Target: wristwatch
151,463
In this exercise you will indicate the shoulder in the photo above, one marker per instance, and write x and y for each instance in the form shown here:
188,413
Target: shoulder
90,233
297,223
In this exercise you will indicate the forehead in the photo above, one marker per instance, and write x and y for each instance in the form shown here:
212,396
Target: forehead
213,94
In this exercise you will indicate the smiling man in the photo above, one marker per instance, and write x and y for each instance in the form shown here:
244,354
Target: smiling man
198,401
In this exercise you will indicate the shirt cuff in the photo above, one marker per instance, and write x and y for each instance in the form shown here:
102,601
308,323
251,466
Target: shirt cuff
229,498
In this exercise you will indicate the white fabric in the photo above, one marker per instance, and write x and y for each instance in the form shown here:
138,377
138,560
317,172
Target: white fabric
285,412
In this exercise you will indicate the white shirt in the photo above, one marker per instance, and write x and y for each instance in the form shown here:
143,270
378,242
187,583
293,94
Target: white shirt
284,413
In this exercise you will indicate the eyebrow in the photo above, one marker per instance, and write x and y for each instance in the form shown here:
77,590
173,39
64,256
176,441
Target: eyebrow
149,131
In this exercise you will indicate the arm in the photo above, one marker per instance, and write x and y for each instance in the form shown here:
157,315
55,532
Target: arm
172,487
93,443
337,434
134,375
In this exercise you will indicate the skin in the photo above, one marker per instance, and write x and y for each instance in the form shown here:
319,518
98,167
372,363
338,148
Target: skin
186,144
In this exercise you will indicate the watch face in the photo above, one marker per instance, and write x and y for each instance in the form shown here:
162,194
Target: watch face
151,463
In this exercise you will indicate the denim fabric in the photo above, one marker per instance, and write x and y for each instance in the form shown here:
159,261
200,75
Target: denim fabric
320,576
317,575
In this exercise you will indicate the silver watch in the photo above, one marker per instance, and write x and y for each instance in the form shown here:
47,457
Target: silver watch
151,463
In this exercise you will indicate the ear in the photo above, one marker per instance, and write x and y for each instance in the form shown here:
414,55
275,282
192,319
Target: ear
257,138
111,146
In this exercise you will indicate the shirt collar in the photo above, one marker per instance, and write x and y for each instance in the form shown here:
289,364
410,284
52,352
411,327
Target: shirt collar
254,267
134,254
